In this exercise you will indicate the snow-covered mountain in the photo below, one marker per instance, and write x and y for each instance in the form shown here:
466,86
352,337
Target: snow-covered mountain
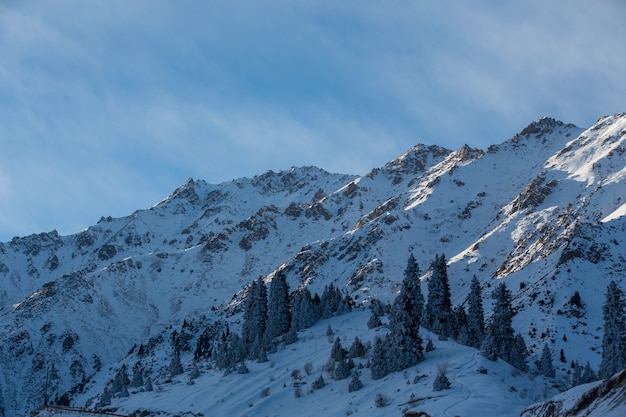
542,212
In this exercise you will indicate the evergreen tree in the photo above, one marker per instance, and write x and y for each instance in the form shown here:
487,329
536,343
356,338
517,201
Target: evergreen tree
330,301
357,349
475,315
343,370
582,375
120,383
439,306
404,321
614,339
499,340
379,364
278,310
175,367
458,328
377,310
149,386
105,398
441,381
255,321
319,383
589,374
545,364
304,313
576,374
519,353
337,353
137,379
230,351
355,384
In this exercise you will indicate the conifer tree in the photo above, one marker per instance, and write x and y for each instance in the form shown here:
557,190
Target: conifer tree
377,310
120,383
589,375
439,306
404,322
355,384
176,367
278,309
337,353
255,321
545,365
343,370
614,339
379,364
519,353
475,315
500,340
458,327
137,379
304,313
357,349
441,381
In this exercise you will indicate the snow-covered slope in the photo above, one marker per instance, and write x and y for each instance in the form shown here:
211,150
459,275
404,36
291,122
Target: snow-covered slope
542,211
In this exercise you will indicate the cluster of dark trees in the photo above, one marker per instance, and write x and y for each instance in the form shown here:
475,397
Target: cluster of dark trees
270,318
402,346
274,317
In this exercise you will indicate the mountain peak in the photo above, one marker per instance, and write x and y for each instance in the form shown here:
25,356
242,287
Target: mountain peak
543,126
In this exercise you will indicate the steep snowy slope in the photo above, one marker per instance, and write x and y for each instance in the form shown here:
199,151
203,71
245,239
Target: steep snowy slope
541,211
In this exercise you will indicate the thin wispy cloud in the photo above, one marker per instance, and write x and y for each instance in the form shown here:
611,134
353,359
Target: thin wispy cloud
107,106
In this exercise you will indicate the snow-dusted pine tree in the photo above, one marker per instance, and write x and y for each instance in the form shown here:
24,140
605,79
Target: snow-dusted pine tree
441,381
357,349
337,353
545,364
500,338
355,383
304,313
519,353
278,309
379,363
439,306
405,319
475,315
255,321
614,339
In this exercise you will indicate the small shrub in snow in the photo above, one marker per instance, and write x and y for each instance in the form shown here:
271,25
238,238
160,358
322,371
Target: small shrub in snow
319,383
329,366
382,400
430,346
265,392
441,380
308,368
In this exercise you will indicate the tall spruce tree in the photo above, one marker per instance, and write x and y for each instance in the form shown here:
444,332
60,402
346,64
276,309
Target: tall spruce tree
439,306
405,319
278,309
304,313
519,353
379,364
614,339
475,315
255,321
545,364
500,340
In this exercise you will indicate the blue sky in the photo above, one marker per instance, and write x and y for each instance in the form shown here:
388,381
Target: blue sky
108,106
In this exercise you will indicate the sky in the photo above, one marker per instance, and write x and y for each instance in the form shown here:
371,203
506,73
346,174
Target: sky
107,106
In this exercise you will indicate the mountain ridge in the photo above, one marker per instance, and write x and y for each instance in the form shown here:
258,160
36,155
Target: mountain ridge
541,210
